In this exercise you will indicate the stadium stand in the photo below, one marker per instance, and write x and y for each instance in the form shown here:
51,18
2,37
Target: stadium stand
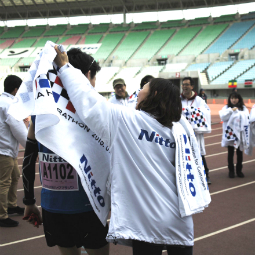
199,21
90,39
225,18
247,41
128,72
197,67
172,23
99,29
204,39
26,61
153,44
249,75
130,44
149,70
78,30
109,43
4,44
176,67
250,15
25,43
8,61
105,74
179,41
34,31
57,30
230,36
13,32
120,28
145,26
42,41
234,71
66,40
1,30
217,68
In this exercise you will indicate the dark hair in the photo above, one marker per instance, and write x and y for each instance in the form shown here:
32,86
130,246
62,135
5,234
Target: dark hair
145,80
240,104
190,79
200,92
83,61
11,83
163,102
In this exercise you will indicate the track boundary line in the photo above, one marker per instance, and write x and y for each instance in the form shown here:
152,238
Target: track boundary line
212,155
213,136
22,240
211,144
220,168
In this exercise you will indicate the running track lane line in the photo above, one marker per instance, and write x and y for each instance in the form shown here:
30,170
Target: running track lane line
220,168
212,136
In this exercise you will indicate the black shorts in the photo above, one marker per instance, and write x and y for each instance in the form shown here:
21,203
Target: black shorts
69,230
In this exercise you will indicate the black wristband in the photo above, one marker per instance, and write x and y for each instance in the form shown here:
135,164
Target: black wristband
29,201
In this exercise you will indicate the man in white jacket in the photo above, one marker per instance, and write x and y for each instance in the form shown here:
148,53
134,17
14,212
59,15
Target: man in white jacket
121,96
190,98
12,133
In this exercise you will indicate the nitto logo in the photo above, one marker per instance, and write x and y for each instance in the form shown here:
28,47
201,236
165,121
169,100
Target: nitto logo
51,158
158,139
88,172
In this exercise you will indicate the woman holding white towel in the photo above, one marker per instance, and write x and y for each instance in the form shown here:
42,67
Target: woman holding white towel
145,211
235,103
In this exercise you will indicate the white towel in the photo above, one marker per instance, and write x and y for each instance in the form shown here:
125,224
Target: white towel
192,188
252,132
42,94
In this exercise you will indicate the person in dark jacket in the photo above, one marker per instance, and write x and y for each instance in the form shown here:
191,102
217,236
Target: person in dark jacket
203,95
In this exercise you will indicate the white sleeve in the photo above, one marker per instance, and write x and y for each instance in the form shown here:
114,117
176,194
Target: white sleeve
93,109
18,129
225,113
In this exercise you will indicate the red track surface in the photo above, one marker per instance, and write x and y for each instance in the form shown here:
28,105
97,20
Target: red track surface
216,229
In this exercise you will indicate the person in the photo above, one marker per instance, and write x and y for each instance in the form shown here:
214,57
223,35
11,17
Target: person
236,107
133,98
144,202
68,217
234,89
12,133
203,95
121,96
189,98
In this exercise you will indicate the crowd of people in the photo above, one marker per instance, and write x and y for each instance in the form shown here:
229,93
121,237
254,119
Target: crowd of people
154,185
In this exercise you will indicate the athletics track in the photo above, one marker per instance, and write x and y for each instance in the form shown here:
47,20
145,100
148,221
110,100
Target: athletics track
226,227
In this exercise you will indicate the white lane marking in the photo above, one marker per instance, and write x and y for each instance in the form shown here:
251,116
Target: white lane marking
236,187
212,155
222,230
22,240
216,128
37,187
211,144
212,136
220,168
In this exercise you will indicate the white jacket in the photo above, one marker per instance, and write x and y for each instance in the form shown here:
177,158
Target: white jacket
12,132
120,101
225,115
142,153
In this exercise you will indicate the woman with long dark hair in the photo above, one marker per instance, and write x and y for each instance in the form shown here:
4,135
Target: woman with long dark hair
145,211
229,137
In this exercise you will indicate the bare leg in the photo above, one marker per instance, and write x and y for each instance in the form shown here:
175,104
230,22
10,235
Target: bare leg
70,251
102,251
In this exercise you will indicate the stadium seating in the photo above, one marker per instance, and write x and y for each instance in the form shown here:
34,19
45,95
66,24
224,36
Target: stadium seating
225,18
90,39
128,72
204,39
247,41
26,61
4,44
199,21
99,29
13,32
130,44
25,43
42,41
105,74
120,28
230,36
249,75
57,30
109,43
250,15
218,68
176,67
34,31
8,61
154,43
67,40
200,67
179,41
145,26
1,30
170,24
234,71
149,70
77,30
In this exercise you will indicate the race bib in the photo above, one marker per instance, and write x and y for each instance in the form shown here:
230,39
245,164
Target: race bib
57,174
